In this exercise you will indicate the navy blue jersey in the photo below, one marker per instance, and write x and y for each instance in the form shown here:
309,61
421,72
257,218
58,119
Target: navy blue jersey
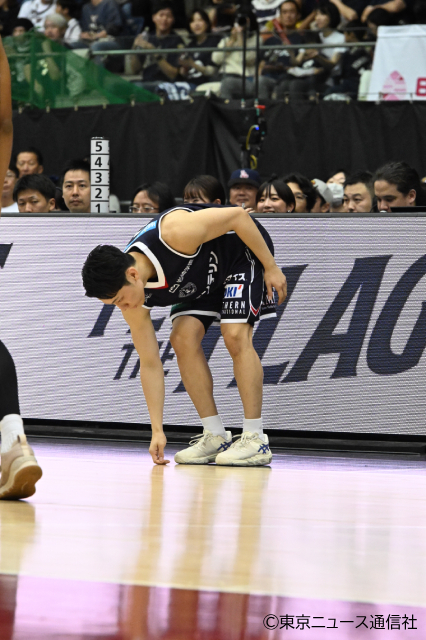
182,277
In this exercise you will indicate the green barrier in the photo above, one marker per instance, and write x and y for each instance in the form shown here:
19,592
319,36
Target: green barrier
45,74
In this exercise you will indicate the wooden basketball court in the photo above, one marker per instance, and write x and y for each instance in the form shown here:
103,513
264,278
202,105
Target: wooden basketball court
320,545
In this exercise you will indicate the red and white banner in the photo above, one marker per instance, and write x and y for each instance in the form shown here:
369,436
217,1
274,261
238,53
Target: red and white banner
399,67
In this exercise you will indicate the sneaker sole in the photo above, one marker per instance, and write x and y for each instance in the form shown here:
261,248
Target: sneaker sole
255,461
22,480
206,460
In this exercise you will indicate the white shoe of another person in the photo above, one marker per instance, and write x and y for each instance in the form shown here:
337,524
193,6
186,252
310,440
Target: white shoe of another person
204,448
250,450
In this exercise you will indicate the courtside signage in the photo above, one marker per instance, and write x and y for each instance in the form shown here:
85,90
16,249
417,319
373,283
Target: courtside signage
345,353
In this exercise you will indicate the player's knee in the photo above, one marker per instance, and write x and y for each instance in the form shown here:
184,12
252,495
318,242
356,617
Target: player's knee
183,342
237,339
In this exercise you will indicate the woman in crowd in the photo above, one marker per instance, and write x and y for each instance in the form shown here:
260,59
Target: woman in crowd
275,196
204,189
197,67
152,198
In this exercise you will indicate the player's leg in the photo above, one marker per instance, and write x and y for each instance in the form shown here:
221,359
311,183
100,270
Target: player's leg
19,468
186,337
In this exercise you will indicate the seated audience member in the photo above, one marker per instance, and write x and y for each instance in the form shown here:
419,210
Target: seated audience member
8,205
285,24
29,161
9,10
231,62
158,68
100,23
338,177
395,7
55,26
379,18
21,26
353,62
34,194
197,67
36,11
396,184
69,9
275,196
358,192
204,189
76,186
304,192
265,11
222,15
243,186
152,198
324,199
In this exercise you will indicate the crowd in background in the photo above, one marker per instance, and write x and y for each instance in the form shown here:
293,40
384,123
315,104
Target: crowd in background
27,189
145,28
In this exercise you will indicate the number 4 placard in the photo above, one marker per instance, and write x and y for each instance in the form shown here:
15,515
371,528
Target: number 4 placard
99,174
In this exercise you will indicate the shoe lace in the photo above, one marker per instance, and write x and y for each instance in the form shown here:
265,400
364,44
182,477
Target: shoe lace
200,439
243,438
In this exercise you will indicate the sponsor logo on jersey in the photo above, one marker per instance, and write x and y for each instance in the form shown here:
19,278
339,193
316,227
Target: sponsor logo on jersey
174,288
236,277
234,291
187,290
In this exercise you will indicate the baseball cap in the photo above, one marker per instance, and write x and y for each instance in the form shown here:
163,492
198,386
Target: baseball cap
324,190
338,191
245,176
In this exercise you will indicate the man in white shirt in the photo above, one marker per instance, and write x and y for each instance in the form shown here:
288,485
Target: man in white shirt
36,11
68,9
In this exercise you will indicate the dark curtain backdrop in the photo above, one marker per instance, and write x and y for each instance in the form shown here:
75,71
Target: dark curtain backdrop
178,140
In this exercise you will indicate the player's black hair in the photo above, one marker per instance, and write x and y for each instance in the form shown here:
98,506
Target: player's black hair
33,150
282,189
205,186
75,165
157,192
161,5
205,17
104,272
306,187
37,182
404,177
357,28
329,9
363,177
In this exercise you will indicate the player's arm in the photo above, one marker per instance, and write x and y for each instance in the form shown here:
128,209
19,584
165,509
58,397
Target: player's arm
152,375
184,231
6,129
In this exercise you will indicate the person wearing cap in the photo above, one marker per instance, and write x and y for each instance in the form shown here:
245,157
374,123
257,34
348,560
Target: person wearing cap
324,199
243,186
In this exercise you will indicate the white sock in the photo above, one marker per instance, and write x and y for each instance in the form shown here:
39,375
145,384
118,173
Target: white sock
10,427
253,426
214,424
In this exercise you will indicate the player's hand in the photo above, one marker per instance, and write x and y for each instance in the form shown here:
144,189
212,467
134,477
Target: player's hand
156,448
275,279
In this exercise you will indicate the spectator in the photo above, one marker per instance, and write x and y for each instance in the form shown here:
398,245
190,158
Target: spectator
8,205
243,187
152,198
395,7
29,161
354,61
379,18
396,184
21,26
76,186
275,196
350,9
204,189
9,10
338,177
359,192
222,15
304,192
231,62
100,22
36,11
69,10
337,190
34,194
324,197
265,11
157,68
55,27
197,66
286,23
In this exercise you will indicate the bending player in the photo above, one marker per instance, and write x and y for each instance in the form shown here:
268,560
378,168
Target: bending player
19,468
193,258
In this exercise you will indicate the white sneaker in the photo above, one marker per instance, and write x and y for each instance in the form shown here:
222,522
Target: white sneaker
204,448
248,451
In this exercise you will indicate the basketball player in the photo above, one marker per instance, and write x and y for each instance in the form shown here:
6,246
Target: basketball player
19,468
217,263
